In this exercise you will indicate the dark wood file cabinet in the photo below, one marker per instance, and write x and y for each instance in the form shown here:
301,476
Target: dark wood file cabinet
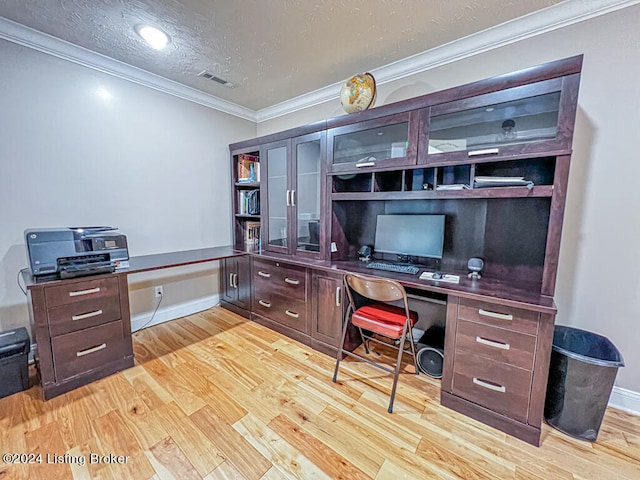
82,330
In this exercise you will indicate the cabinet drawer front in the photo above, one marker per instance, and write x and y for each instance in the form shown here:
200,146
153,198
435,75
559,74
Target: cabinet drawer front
81,291
525,321
85,314
79,352
505,346
284,310
282,279
497,386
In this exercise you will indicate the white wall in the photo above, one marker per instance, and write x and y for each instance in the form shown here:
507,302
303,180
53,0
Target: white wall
598,282
149,163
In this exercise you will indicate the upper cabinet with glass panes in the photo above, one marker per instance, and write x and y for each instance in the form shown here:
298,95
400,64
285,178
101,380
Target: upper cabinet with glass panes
388,141
526,120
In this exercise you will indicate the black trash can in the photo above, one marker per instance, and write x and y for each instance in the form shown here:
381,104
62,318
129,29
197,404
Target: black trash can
581,375
14,356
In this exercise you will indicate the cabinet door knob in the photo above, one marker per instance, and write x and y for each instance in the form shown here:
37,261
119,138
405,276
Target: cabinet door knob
500,316
293,198
86,315
490,386
493,343
288,198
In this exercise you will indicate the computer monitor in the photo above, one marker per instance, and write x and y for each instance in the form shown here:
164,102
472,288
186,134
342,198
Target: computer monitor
412,235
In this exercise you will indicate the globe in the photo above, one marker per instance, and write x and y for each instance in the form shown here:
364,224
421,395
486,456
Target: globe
358,93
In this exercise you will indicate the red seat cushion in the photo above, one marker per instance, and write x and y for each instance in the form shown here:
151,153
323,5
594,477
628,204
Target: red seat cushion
384,319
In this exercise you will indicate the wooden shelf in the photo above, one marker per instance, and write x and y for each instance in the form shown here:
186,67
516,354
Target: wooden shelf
248,217
247,184
495,192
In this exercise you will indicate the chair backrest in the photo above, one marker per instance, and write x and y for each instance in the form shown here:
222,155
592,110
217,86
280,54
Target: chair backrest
375,288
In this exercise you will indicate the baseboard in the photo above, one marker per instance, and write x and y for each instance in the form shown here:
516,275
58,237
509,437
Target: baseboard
626,400
172,312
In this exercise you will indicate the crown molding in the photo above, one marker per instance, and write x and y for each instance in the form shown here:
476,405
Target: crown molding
552,18
557,16
42,42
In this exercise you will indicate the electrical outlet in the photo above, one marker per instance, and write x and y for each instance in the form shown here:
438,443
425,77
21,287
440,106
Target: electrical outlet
158,291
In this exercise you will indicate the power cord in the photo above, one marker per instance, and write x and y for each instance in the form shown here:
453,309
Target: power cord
24,289
152,315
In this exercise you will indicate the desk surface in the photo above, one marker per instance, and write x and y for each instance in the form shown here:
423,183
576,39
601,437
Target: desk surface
521,295
145,263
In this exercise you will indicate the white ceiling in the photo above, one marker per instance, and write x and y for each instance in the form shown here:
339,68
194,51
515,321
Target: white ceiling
272,50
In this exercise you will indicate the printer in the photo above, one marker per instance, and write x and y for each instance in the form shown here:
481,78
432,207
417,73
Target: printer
76,251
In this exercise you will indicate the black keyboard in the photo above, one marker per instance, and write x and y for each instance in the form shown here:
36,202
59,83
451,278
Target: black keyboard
393,267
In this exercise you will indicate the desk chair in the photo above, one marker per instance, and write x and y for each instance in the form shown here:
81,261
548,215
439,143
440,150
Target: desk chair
378,317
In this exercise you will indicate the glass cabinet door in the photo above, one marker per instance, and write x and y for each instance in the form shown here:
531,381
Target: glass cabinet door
384,142
278,198
306,196
518,120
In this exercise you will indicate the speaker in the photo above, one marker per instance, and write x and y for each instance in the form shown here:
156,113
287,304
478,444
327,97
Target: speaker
430,361
364,252
430,354
475,266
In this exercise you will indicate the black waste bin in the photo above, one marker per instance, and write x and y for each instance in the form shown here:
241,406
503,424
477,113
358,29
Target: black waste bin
581,375
14,355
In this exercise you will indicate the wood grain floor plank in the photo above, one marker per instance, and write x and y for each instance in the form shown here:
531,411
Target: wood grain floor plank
244,458
225,471
170,462
327,459
199,449
47,442
290,461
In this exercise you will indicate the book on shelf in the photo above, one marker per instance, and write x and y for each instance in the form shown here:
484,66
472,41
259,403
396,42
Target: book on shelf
487,182
248,168
252,235
249,202
453,186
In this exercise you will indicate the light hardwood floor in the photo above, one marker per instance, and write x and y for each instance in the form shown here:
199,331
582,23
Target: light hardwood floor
214,396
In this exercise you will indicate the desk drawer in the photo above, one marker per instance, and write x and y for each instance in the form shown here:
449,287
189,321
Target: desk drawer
525,321
85,314
284,310
283,279
500,387
505,346
81,291
89,349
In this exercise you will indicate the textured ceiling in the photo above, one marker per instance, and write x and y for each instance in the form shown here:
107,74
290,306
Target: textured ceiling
272,50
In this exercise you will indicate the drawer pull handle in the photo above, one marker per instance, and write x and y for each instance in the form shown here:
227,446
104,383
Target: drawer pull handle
292,314
500,316
86,315
493,343
486,151
264,304
89,291
490,386
365,164
82,353
7,334
291,281
338,296
264,274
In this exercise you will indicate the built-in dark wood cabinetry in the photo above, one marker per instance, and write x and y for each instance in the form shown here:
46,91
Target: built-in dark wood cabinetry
493,157
235,284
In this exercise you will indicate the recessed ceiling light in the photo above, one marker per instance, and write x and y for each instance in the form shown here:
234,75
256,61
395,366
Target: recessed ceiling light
155,37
